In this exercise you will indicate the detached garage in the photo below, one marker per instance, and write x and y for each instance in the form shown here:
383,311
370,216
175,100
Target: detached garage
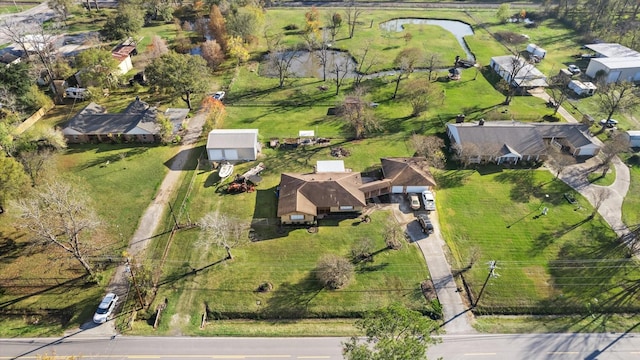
615,69
233,145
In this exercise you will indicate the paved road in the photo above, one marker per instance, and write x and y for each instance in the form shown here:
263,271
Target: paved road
472,346
40,13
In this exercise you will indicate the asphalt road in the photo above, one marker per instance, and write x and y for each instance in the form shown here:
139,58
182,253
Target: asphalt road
496,347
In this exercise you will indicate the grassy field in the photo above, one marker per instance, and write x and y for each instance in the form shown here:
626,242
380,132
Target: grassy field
630,213
596,177
563,262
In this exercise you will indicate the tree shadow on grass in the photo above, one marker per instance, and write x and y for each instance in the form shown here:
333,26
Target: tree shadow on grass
523,184
291,300
107,160
451,178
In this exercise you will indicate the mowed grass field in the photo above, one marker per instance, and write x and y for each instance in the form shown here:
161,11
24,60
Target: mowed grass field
559,263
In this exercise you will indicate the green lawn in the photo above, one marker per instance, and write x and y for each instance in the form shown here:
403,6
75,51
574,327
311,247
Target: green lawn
596,177
563,262
630,213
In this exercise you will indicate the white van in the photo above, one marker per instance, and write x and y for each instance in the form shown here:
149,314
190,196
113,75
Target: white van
429,200
77,93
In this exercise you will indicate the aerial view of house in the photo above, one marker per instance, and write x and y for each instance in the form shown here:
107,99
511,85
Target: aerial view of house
232,169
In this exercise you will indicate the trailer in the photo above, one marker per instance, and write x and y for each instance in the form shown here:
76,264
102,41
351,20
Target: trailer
535,50
582,88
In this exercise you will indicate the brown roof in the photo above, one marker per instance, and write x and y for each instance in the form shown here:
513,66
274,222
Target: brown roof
411,171
305,193
122,52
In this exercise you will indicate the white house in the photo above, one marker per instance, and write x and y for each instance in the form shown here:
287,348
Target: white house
527,76
233,145
617,62
536,50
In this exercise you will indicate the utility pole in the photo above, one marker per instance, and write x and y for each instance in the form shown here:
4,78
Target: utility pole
492,268
174,216
135,283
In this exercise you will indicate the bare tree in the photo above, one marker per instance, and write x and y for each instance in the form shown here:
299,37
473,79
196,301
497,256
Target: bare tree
334,272
157,48
393,235
17,32
615,145
559,159
467,153
358,114
59,214
559,93
405,63
333,23
340,70
281,60
517,71
433,62
431,147
224,231
617,96
365,60
323,55
212,53
352,13
599,196
420,93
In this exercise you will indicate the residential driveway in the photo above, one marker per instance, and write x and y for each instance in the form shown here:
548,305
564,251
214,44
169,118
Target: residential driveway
457,315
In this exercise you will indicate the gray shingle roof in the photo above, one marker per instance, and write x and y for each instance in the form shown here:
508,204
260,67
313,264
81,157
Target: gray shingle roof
492,137
94,120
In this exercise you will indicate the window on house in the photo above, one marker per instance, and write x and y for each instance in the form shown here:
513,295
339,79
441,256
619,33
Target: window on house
346,207
296,217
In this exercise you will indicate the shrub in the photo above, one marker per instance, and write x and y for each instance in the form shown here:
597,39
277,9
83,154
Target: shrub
291,27
334,272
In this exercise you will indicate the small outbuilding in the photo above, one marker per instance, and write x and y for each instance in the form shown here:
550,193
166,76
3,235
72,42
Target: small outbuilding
582,88
517,72
233,145
634,138
535,50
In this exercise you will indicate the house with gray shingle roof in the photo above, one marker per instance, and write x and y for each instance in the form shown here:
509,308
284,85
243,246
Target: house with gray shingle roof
137,123
511,142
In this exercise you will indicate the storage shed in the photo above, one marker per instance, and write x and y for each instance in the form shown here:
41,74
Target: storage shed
233,145
582,88
634,138
615,61
535,50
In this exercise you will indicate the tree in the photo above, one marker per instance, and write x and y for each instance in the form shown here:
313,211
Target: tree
334,23
59,214
431,148
362,250
334,272
98,67
13,180
127,21
405,63
157,48
559,159
61,68
617,96
61,7
366,60
323,55
504,12
212,53
160,10
340,69
558,88
179,75
394,332
16,78
218,27
420,93
165,128
312,22
355,110
433,62
237,50
613,146
224,231
393,235
246,22
215,112
281,61
516,69
352,14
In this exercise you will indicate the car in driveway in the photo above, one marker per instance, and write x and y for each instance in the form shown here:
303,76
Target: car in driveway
429,200
609,123
219,95
106,308
415,201
425,224
574,69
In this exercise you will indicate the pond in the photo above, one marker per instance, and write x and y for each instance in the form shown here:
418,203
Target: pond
458,28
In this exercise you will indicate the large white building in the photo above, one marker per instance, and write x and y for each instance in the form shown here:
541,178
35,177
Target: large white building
615,62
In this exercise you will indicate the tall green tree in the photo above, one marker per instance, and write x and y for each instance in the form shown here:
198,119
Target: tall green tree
179,75
97,67
13,180
246,22
393,333
126,22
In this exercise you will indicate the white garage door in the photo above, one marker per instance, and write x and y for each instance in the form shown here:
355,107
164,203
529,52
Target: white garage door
416,189
231,154
397,189
215,154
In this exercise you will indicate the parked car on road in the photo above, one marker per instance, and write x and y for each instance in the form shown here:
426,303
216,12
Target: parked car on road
425,224
219,95
105,309
429,200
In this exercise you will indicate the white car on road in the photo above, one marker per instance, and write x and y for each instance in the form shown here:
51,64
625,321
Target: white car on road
105,309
